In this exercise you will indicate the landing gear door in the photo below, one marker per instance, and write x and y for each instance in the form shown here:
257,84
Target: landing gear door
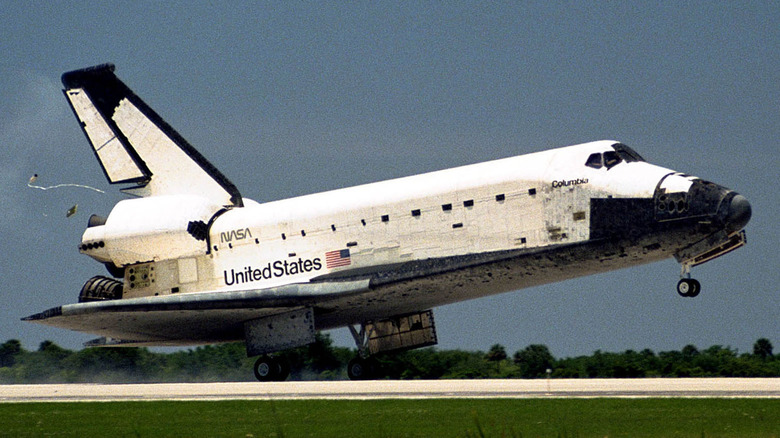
279,332
402,333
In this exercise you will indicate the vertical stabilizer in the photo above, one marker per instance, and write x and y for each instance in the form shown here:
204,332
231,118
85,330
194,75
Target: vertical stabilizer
136,146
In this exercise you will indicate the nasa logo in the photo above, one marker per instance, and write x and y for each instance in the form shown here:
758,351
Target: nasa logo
232,235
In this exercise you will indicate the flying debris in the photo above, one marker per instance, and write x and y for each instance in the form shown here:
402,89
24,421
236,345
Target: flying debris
57,186
71,211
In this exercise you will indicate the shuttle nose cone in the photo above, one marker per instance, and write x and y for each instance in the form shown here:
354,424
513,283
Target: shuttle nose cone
738,214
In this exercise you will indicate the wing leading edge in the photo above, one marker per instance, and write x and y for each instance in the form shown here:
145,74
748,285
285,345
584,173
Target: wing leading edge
202,317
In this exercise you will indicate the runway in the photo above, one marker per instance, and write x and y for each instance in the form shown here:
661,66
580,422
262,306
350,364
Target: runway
398,389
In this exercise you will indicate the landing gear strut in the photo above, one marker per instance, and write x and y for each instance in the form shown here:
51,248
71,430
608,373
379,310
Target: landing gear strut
269,369
687,286
362,367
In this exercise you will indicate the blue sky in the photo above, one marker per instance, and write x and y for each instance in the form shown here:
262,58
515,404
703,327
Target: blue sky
293,98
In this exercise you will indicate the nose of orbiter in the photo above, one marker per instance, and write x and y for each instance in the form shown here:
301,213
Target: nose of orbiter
738,213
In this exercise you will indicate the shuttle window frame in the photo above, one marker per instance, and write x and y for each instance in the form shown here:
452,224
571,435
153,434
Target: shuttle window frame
594,161
626,153
611,159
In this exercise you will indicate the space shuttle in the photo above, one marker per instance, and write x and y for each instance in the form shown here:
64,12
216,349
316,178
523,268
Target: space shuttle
191,261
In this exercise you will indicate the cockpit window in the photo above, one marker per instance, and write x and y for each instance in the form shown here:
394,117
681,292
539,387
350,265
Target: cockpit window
594,161
626,153
611,159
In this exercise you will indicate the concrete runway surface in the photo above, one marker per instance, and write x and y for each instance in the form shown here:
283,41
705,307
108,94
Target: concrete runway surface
398,389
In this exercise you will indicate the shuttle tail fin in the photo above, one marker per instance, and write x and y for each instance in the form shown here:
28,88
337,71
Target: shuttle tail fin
136,146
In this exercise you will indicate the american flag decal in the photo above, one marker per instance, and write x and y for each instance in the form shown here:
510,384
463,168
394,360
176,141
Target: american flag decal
340,257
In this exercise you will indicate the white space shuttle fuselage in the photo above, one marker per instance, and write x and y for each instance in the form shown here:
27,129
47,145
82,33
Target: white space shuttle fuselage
211,266
527,202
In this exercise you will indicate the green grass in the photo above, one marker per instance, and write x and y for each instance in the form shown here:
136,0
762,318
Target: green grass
399,418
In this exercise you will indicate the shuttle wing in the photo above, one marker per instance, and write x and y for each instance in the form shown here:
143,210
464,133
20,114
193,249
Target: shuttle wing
134,145
191,318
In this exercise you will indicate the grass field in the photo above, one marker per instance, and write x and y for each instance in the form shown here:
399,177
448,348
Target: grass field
398,418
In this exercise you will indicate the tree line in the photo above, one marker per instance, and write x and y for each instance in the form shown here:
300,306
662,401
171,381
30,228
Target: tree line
51,363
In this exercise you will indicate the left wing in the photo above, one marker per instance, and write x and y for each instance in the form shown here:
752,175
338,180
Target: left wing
191,318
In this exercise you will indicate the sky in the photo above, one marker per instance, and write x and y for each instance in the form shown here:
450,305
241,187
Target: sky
291,98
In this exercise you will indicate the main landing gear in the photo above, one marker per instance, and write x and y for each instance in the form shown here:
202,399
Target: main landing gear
687,286
394,334
362,367
270,369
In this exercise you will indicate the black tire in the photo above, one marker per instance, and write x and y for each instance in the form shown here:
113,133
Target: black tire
688,287
267,369
360,369
695,288
684,287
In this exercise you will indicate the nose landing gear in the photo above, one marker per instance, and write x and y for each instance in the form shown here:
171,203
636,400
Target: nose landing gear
708,249
687,286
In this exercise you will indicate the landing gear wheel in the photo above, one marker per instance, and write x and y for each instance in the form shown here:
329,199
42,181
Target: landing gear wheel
268,369
688,287
683,287
265,369
284,370
361,369
695,288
